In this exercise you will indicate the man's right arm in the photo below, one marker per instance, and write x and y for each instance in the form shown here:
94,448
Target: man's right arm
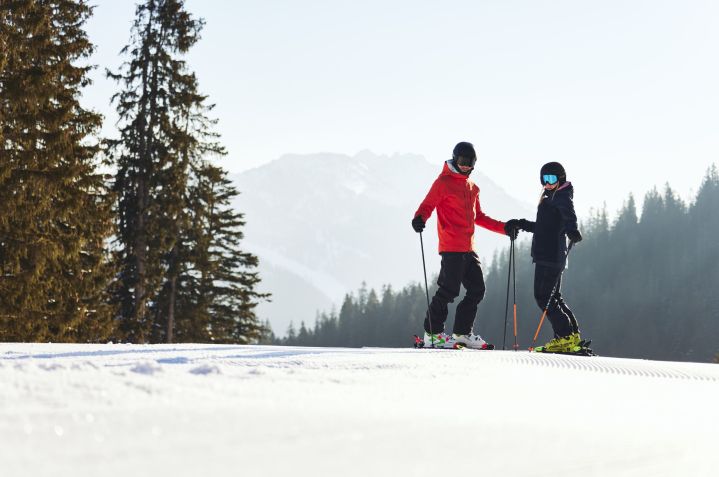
430,202
426,207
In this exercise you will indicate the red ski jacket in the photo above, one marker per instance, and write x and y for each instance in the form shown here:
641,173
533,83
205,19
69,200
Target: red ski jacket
456,199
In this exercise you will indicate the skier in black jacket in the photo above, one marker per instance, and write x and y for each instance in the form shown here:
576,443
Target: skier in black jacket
556,220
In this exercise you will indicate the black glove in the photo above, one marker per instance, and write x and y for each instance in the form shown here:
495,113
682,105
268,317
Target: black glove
525,225
418,224
511,228
574,236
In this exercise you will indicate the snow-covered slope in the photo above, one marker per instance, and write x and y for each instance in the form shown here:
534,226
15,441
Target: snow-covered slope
196,410
324,223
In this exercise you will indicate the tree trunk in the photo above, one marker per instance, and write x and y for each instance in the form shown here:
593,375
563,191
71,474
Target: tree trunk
171,310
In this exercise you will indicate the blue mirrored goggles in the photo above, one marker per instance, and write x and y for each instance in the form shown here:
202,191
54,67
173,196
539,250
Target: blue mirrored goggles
549,179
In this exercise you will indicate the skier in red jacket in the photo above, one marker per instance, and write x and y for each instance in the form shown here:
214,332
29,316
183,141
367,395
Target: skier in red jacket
456,199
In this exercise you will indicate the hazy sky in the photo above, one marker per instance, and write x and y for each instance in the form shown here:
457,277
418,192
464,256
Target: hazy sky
624,93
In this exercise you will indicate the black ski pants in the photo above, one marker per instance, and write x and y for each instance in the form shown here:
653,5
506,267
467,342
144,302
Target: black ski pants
458,268
558,313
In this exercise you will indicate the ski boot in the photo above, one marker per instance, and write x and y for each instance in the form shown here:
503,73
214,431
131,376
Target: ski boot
439,340
572,344
472,341
562,344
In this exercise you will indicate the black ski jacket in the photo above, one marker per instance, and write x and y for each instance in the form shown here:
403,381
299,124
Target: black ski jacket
555,217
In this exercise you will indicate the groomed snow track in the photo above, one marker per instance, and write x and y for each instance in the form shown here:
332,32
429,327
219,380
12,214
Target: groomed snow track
189,410
626,367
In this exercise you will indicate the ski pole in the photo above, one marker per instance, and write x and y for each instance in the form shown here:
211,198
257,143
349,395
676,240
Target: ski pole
551,295
506,303
426,289
514,280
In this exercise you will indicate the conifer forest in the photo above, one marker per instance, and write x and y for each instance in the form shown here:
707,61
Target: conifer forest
643,279
129,238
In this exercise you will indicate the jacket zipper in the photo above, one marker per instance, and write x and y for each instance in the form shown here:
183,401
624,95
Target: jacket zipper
468,206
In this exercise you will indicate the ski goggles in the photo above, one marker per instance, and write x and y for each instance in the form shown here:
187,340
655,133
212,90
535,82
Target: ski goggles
466,161
549,179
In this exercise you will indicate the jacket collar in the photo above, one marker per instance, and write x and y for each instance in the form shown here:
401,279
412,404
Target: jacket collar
450,170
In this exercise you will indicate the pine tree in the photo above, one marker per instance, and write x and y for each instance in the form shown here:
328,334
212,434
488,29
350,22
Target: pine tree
219,282
291,337
55,215
268,336
184,276
151,160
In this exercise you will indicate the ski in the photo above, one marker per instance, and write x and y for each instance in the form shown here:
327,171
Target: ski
582,351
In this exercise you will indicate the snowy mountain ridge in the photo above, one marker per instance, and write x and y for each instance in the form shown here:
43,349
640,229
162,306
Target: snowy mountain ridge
197,409
322,224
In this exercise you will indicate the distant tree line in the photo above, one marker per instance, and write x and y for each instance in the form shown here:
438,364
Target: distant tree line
368,318
641,286
129,238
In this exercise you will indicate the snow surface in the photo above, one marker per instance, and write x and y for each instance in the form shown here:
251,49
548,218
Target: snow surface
196,410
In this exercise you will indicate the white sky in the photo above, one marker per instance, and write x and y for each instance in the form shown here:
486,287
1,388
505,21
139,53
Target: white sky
624,93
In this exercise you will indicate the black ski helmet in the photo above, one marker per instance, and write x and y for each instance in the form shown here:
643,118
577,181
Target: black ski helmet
554,168
464,155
